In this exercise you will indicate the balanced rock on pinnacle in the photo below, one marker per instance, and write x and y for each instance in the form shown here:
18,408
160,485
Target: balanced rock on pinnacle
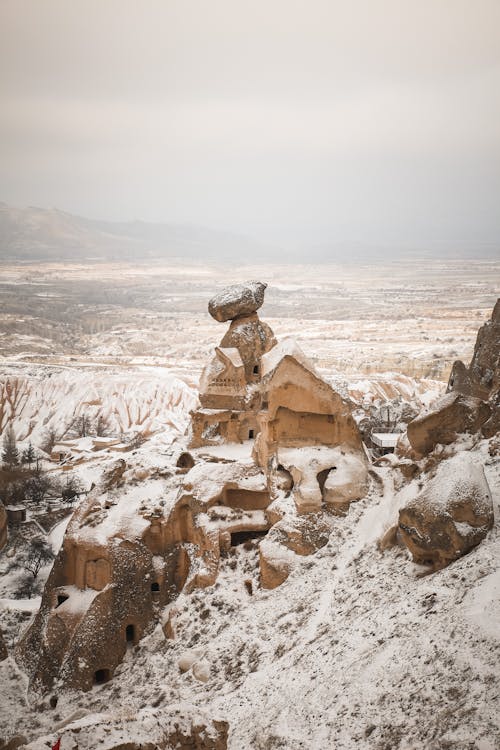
237,301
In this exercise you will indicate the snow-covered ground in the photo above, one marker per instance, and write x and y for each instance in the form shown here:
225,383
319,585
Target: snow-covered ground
355,650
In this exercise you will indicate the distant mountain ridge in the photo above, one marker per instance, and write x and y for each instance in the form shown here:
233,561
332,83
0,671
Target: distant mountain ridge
50,234
39,233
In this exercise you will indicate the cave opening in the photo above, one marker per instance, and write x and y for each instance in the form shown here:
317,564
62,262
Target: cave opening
130,633
101,676
61,598
250,535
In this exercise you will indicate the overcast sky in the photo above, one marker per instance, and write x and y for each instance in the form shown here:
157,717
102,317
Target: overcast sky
313,121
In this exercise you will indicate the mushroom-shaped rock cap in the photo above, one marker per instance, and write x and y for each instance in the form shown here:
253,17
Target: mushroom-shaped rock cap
237,301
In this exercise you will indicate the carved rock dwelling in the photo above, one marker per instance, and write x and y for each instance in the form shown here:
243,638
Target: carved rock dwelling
129,551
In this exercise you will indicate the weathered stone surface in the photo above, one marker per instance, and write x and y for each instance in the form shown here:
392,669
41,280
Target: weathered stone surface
347,480
482,377
229,397
237,301
252,338
450,516
301,421
276,563
450,416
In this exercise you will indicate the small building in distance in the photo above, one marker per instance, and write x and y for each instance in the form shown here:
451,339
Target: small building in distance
384,442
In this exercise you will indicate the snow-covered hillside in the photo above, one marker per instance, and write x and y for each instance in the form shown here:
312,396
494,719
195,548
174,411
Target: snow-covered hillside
41,399
354,650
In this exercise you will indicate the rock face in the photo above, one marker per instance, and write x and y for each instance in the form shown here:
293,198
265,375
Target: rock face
450,516
252,338
307,429
124,558
446,420
237,301
482,377
473,399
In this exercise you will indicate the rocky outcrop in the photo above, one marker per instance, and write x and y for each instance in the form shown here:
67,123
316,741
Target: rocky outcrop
237,301
482,377
450,516
252,338
483,373
451,416
229,393
126,554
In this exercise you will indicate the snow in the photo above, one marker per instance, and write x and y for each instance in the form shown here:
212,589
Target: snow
233,355
285,348
57,534
481,606
385,439
78,600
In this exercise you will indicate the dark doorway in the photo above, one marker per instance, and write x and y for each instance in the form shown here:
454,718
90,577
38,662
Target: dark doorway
185,461
250,434
155,587
130,633
256,370
240,537
101,676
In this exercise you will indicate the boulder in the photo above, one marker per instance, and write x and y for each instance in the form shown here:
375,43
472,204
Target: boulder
452,415
237,301
348,481
275,562
450,516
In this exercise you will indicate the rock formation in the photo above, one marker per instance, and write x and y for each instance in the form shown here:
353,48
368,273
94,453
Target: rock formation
449,417
129,551
228,395
473,400
237,301
307,429
451,515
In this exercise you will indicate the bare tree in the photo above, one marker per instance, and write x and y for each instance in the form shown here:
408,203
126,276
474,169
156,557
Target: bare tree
39,554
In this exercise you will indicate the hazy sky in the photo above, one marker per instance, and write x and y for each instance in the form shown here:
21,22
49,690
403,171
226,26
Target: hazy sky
369,120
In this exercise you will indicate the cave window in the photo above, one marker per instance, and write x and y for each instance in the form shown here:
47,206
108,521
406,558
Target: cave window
101,676
185,461
130,633
250,434
256,369
155,587
61,598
